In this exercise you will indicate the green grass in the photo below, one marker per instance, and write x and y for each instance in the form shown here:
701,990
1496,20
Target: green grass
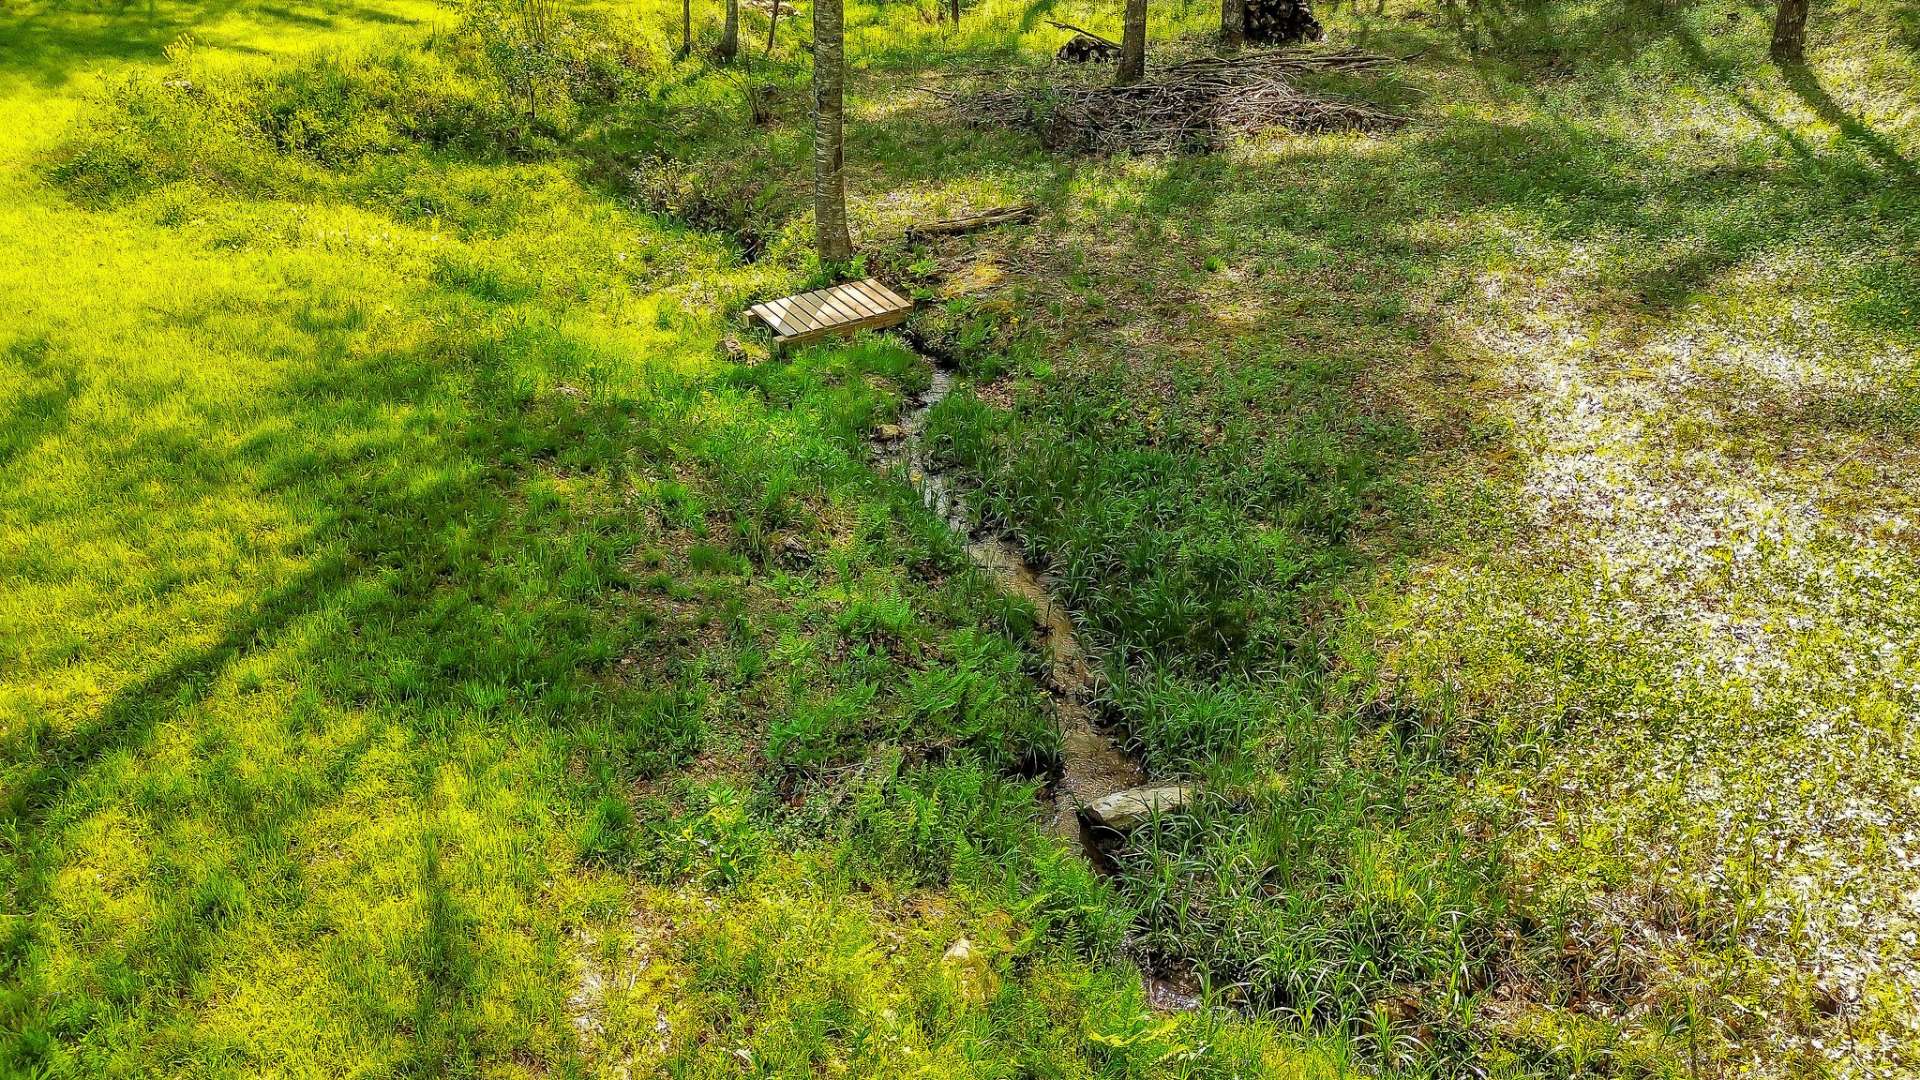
433,643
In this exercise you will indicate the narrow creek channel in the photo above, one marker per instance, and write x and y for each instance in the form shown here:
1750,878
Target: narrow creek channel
1096,774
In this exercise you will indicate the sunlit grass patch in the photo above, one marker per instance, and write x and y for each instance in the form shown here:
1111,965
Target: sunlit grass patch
789,971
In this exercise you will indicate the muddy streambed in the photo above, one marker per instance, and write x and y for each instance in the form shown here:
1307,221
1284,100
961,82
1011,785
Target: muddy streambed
1100,786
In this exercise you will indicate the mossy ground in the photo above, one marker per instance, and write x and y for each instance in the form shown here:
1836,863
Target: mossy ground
433,644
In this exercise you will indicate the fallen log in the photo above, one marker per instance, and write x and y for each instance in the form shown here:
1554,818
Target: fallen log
999,215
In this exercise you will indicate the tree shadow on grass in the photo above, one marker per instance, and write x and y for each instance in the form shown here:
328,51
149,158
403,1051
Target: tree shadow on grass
49,794
1906,20
1550,39
41,413
50,46
1806,85
52,43
396,617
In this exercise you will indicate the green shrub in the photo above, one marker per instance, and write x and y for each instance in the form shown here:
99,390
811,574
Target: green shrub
284,130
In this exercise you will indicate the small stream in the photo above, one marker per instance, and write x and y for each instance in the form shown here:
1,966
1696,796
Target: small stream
1093,765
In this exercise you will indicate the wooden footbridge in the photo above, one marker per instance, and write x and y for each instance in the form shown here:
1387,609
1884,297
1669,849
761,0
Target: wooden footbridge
842,309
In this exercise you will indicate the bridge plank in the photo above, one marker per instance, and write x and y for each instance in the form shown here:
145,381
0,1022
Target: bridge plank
842,309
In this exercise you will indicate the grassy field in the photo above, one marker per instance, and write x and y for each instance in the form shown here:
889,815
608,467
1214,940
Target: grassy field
435,639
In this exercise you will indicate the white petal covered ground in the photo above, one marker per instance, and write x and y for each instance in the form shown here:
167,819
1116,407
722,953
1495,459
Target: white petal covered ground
1701,627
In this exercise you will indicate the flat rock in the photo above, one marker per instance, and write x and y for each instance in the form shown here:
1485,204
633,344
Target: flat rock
1134,807
968,973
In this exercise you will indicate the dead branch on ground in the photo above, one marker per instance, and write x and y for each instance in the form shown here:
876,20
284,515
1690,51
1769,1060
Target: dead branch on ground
999,215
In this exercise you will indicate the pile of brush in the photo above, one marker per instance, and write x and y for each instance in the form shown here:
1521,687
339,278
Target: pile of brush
1192,106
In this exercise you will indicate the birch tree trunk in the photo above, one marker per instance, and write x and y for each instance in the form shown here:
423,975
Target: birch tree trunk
829,183
1790,32
730,36
1133,45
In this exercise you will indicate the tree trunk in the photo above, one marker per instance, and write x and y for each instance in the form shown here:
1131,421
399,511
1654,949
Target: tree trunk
1133,45
773,27
829,141
1233,24
730,37
686,27
1790,32
955,7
